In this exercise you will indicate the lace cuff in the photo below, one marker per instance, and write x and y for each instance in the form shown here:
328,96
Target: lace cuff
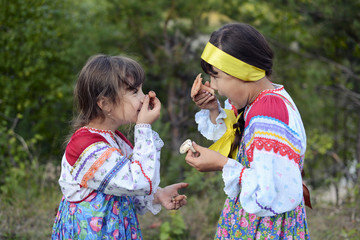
142,125
207,128
153,208
230,174
157,141
145,203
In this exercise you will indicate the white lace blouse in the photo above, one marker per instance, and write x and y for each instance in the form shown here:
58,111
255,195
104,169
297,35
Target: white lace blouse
104,161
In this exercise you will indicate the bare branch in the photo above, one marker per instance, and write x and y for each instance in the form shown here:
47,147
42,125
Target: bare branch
355,97
25,146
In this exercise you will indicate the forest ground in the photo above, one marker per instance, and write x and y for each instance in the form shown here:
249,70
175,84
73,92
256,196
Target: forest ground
29,220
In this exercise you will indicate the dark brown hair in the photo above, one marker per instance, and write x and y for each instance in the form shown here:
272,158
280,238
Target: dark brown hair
103,76
243,42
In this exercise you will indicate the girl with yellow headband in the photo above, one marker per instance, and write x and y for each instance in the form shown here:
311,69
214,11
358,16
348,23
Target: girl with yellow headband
263,181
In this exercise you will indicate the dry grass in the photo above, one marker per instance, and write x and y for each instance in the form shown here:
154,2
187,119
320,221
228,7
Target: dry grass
334,223
24,219
326,222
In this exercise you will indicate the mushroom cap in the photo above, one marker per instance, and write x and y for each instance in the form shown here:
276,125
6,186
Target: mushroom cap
185,146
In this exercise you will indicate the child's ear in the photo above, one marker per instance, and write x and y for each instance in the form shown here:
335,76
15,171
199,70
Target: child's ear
104,104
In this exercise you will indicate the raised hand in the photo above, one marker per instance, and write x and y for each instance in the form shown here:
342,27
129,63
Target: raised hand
150,110
203,95
205,100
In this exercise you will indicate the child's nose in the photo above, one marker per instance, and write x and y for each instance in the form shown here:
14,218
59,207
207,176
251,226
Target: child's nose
213,84
142,97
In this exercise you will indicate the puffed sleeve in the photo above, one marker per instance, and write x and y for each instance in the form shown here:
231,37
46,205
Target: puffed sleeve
208,129
273,183
145,203
104,168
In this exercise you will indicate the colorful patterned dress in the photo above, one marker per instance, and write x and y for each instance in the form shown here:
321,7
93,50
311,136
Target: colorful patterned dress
106,182
264,183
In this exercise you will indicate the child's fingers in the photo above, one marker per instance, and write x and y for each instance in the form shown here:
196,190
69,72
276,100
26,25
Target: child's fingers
203,99
208,89
152,94
180,201
190,159
183,202
177,205
206,101
180,185
156,103
201,95
196,147
180,197
207,83
145,105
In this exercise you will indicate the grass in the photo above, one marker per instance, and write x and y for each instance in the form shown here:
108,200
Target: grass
32,218
24,219
328,222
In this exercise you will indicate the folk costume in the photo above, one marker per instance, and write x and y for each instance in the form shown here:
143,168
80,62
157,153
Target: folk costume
263,183
105,182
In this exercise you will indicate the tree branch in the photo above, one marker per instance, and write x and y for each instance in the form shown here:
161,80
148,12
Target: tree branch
343,68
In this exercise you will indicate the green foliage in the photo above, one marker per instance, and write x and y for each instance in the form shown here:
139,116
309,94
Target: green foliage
29,194
43,44
165,39
317,59
173,229
33,70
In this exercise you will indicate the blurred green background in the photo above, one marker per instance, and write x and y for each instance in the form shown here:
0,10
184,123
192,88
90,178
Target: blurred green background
44,44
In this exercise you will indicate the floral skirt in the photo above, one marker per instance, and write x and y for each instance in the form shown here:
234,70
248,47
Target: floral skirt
99,216
235,223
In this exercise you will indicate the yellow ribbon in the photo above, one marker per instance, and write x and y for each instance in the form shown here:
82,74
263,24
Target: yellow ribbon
223,145
231,65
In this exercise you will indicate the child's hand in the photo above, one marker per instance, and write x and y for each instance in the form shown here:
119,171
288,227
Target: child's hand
203,95
205,100
205,160
150,110
198,86
169,197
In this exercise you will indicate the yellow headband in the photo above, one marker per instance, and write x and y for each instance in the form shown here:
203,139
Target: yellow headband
231,65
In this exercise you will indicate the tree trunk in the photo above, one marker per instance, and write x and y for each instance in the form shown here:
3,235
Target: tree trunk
357,159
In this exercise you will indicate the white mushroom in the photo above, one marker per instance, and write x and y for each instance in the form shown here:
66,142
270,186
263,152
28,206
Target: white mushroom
186,146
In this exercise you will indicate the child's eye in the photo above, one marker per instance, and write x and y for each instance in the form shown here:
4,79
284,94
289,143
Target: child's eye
135,91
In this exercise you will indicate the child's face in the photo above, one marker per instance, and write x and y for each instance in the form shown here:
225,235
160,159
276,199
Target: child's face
129,107
236,90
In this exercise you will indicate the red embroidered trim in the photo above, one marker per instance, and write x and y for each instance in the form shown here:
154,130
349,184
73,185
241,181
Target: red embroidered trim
234,109
136,161
83,198
101,131
276,146
241,173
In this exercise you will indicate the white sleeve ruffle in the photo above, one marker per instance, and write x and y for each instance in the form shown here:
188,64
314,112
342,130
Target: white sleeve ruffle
145,203
208,129
230,174
272,185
